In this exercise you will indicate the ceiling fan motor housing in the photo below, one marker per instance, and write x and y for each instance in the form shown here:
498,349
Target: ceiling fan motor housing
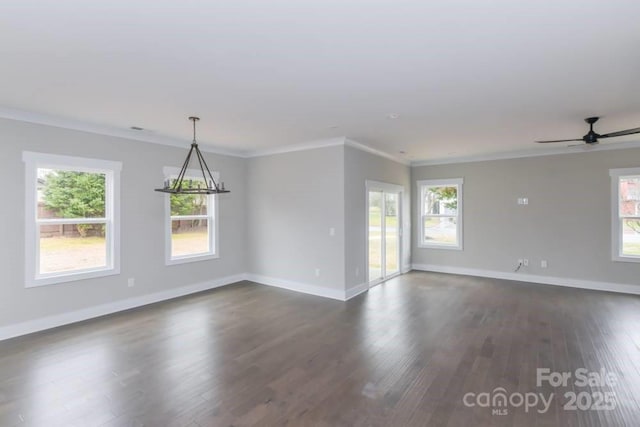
591,137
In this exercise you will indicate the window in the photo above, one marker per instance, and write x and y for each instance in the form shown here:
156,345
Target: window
625,189
72,218
440,213
191,222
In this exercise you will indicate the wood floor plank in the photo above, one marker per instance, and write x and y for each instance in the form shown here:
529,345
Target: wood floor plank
404,354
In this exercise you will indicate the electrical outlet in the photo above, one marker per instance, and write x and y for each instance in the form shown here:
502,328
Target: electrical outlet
525,262
332,231
131,282
357,271
543,263
317,272
520,261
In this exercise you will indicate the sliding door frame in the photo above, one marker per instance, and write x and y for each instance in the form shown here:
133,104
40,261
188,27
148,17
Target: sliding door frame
385,188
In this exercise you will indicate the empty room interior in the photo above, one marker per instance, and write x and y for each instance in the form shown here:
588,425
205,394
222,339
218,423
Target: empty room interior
320,213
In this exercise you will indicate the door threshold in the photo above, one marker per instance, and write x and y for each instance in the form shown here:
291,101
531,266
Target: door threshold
379,281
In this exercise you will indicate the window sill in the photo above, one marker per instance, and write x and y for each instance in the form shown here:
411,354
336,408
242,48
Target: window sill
436,246
70,277
626,259
192,258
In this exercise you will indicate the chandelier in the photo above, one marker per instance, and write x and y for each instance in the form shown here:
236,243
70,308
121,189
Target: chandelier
180,185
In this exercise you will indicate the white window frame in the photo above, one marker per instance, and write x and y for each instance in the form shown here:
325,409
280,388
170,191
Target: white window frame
111,170
211,217
616,218
422,186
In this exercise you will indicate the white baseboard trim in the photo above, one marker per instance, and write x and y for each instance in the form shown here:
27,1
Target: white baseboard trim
297,286
56,320
533,278
355,291
48,322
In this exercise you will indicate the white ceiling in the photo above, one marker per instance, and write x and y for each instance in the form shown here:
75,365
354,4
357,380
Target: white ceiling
467,77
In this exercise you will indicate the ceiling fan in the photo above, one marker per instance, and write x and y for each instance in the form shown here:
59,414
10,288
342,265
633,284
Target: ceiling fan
592,137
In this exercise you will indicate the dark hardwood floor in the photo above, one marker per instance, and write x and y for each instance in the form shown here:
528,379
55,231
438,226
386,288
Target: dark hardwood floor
404,354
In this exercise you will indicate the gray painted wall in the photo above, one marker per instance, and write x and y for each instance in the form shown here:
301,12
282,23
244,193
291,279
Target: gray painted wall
294,199
142,231
361,166
276,220
567,221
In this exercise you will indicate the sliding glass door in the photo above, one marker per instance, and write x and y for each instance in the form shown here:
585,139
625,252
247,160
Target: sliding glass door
375,236
384,225
391,240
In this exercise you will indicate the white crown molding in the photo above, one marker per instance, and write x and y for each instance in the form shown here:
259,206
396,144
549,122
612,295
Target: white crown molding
528,153
331,142
56,320
532,278
303,146
143,136
63,123
362,147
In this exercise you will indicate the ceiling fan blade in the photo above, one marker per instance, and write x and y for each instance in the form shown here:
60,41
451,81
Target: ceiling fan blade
558,140
621,133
